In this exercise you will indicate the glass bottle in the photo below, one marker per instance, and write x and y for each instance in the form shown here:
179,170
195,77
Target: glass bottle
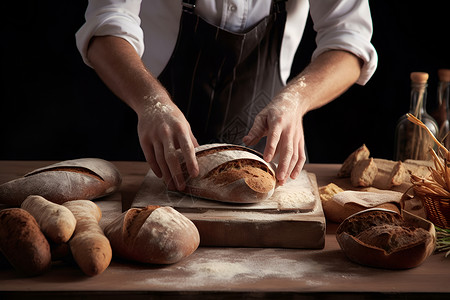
443,112
411,140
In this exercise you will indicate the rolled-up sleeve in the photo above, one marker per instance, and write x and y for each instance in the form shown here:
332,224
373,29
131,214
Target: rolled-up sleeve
111,17
345,25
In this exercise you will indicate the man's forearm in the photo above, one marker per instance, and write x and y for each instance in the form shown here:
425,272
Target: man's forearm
325,78
121,69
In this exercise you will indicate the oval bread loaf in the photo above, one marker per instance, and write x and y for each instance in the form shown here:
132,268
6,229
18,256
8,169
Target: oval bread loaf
23,243
157,235
385,239
85,178
231,173
56,221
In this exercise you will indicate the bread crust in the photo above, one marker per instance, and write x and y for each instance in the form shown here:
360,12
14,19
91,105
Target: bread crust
22,242
231,173
153,234
86,178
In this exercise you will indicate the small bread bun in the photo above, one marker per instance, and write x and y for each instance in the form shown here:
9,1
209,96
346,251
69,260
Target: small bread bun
158,235
22,242
385,239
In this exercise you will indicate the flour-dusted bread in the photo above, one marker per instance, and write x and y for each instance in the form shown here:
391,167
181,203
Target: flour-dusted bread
22,242
89,246
231,173
386,239
85,178
153,234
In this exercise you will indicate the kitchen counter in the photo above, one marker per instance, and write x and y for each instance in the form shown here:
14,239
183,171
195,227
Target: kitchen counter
212,272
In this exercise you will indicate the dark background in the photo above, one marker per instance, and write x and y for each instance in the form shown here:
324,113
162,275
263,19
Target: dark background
53,107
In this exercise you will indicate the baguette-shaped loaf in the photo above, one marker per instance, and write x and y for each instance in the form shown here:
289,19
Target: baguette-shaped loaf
22,242
89,246
56,221
231,173
153,234
85,178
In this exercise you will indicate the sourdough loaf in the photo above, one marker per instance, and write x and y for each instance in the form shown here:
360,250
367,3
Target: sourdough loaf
22,242
230,173
85,178
153,234
385,239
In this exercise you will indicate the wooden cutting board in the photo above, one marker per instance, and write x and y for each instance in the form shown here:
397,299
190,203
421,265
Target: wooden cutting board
291,218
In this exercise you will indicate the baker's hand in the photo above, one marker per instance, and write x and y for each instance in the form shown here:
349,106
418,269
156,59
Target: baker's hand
162,129
281,122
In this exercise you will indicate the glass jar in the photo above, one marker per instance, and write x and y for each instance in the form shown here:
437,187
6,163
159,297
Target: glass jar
443,112
412,141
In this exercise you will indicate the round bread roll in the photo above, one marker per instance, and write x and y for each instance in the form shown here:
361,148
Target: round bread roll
154,234
22,242
385,239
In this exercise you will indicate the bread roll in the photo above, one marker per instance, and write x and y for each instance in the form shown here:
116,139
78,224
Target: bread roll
22,242
231,173
157,235
56,221
385,239
86,178
89,246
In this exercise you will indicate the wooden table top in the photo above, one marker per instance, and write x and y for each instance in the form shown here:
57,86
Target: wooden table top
226,272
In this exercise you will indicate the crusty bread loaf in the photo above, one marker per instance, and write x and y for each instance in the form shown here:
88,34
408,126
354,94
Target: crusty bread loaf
89,246
153,234
85,178
386,239
231,173
23,243
348,164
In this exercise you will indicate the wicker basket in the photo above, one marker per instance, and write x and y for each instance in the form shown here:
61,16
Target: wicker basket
437,210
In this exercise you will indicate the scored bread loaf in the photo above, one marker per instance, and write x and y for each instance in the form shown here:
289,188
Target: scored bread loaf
22,242
230,173
153,234
84,178
386,239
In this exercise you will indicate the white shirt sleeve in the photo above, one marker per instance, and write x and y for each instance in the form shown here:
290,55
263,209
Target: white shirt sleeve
111,17
345,25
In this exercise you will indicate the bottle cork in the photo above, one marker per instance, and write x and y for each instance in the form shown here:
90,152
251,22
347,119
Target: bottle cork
419,77
444,75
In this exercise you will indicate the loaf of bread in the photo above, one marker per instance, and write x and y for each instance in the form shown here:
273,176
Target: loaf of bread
385,239
153,234
89,246
231,173
85,178
22,242
56,221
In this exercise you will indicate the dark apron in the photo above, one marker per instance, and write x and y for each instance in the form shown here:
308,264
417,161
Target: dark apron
221,80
